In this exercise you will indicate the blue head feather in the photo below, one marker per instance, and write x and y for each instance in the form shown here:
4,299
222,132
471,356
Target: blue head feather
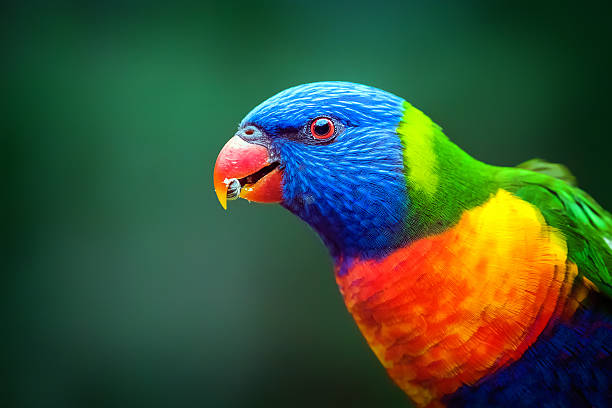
352,190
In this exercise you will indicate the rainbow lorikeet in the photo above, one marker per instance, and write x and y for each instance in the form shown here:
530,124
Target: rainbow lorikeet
474,285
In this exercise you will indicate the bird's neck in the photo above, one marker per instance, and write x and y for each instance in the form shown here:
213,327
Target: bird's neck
417,184
442,180
441,183
452,308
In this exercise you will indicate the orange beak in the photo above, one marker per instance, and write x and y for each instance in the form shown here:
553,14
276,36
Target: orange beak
244,170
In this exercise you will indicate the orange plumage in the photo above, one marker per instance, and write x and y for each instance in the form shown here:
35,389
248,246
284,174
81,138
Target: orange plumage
449,309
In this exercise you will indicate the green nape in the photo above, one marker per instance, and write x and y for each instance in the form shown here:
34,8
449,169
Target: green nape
442,180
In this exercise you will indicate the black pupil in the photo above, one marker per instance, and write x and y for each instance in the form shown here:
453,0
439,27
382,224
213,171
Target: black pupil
321,127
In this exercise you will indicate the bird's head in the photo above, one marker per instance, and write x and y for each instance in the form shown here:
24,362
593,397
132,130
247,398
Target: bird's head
330,153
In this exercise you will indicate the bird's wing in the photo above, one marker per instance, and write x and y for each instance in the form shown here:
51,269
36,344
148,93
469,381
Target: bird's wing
556,170
587,227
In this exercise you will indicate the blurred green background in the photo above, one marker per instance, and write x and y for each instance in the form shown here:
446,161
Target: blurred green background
124,281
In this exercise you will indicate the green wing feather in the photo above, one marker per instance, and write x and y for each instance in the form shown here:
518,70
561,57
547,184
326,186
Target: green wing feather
586,226
556,170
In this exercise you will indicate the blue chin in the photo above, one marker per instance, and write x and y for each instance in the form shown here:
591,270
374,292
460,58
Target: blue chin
352,192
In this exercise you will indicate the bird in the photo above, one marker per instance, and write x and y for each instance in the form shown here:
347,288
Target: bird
474,285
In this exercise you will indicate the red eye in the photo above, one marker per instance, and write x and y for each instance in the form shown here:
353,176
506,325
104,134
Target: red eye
322,128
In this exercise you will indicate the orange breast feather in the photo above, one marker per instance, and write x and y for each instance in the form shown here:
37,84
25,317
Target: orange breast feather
450,309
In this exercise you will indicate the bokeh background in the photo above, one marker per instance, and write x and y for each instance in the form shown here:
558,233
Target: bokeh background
124,283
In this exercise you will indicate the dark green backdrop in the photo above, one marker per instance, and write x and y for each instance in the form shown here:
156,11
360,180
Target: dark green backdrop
126,284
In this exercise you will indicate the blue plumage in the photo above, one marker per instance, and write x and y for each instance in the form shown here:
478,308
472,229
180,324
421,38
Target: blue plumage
568,366
353,104
335,187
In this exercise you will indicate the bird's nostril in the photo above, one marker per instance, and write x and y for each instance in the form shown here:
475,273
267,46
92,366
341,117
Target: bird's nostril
249,131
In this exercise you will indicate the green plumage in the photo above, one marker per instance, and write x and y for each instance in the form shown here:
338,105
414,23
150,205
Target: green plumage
586,226
443,181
